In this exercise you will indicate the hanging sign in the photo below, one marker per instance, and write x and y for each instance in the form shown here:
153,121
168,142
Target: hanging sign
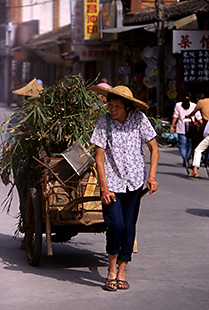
195,66
124,70
91,19
108,15
185,40
77,22
87,53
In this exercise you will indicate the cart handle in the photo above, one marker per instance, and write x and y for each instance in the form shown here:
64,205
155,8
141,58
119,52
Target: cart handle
79,200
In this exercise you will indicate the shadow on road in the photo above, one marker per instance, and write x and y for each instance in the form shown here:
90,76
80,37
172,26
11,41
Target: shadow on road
182,175
199,212
177,174
70,262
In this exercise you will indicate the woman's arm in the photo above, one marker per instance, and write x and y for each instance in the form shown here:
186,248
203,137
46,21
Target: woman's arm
197,108
152,184
107,196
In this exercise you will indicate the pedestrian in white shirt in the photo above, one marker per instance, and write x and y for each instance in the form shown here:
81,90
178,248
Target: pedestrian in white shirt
181,110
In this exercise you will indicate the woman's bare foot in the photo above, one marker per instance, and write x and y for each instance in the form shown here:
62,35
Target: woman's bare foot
121,275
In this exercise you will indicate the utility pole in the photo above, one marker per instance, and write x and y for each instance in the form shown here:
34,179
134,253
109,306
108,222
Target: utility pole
159,5
56,11
8,59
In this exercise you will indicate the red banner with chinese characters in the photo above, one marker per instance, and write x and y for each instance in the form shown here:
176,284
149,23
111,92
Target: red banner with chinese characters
91,19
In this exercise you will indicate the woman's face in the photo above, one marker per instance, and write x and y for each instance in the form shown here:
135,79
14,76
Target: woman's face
117,109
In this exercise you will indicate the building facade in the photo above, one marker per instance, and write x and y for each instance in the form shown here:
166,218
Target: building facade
116,39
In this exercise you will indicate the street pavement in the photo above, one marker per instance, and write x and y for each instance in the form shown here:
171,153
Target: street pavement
169,272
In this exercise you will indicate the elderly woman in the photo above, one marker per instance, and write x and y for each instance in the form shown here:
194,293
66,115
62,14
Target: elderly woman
118,137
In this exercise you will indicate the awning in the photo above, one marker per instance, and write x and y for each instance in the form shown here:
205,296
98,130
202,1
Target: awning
172,11
46,46
189,22
124,28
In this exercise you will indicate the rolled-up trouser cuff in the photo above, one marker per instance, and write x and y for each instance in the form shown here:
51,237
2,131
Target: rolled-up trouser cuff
125,257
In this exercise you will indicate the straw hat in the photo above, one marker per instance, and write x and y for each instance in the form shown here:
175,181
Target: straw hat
124,92
31,89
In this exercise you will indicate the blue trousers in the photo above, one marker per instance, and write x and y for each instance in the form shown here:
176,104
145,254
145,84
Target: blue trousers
120,218
182,145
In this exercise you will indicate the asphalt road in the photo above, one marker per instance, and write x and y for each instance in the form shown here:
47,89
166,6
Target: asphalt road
169,272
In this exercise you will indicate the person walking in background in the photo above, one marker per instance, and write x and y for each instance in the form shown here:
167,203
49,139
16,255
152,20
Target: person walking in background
121,172
31,89
203,108
181,110
204,144
104,84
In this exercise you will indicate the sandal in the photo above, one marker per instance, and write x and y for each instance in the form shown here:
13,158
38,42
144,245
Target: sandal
193,175
122,284
111,285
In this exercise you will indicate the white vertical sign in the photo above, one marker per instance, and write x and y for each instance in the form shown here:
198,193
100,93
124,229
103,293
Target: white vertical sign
187,40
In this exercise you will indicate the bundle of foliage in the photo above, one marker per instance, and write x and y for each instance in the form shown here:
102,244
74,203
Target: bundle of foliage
64,113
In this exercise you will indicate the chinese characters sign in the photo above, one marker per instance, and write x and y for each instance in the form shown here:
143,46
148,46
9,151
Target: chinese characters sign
185,40
91,19
108,15
195,65
90,54
77,21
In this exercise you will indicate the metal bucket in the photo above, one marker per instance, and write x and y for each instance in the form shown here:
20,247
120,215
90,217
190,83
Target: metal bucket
78,157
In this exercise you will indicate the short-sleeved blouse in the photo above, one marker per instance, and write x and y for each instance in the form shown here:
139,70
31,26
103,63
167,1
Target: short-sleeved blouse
180,113
124,159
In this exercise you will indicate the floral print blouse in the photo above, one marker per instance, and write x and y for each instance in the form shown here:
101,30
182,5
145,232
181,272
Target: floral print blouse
124,159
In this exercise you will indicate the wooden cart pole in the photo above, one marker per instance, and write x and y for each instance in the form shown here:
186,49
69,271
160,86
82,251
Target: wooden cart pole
48,235
135,250
47,220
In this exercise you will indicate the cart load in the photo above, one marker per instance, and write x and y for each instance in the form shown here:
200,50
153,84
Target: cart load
49,149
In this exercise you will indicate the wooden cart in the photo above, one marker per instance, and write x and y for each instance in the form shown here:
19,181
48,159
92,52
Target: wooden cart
62,205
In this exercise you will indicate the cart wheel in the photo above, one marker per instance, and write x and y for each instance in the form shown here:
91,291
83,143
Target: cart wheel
161,141
33,231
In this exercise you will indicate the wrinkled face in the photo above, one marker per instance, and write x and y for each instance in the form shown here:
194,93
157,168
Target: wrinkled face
117,109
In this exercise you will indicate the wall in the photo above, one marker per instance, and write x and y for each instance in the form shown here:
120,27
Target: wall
40,11
65,14
43,11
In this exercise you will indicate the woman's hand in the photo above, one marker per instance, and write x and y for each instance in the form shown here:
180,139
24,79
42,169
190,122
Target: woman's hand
152,185
107,197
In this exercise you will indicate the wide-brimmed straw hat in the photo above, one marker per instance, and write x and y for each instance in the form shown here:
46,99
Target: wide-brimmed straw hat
31,89
123,92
